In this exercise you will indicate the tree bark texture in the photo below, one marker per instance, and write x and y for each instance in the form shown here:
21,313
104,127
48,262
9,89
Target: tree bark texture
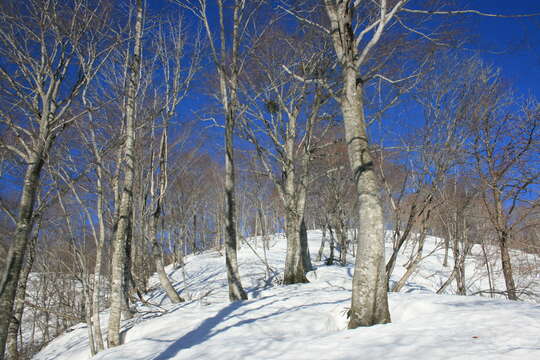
369,305
369,298
18,308
119,261
14,261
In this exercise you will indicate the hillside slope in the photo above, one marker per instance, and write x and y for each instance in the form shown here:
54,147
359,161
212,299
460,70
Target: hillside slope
308,321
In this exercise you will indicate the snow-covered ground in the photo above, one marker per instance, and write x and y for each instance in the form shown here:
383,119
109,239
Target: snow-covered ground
308,321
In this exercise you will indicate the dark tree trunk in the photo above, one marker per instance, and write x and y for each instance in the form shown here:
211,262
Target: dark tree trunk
507,266
304,246
14,261
15,324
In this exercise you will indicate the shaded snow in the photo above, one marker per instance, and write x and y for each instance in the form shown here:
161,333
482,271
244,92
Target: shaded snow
308,321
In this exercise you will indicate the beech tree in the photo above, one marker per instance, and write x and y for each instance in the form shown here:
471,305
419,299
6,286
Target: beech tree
281,122
359,31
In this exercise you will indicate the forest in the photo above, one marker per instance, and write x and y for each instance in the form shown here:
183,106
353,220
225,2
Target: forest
136,135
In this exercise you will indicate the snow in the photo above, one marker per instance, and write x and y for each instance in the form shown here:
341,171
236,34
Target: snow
308,321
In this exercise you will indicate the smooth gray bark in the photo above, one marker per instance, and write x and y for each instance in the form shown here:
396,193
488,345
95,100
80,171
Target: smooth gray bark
119,261
369,305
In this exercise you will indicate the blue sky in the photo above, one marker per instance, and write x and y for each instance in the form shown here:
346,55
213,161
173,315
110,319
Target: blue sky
517,41
511,44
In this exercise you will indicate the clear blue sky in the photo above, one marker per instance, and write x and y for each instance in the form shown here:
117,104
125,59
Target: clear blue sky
517,40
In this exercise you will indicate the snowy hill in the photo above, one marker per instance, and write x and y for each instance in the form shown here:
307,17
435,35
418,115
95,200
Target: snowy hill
308,321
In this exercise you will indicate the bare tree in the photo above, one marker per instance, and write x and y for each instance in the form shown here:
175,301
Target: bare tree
51,53
12,348
359,30
282,121
228,61
125,206
369,300
172,51
505,152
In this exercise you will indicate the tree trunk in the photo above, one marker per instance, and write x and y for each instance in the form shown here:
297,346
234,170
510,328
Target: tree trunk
96,295
448,281
397,248
459,258
294,272
18,308
412,265
229,100
119,261
128,282
369,304
330,260
488,269
341,235
14,261
96,322
458,272
304,246
88,313
323,241
236,291
507,266
446,248
160,269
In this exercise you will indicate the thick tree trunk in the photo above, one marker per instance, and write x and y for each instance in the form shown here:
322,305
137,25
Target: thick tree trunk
294,199
119,261
293,194
14,261
294,272
18,308
369,295
229,100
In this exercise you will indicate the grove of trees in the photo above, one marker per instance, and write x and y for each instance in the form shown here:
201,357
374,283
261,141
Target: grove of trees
134,133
